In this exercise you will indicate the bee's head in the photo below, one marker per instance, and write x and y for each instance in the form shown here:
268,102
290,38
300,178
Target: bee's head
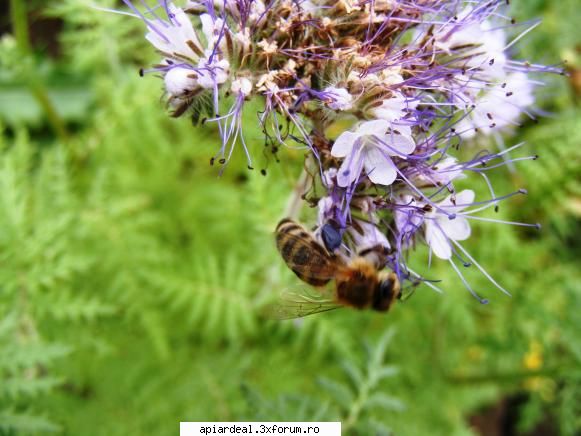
387,291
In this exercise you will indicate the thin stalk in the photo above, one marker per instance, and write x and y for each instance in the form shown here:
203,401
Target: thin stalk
295,202
356,407
18,15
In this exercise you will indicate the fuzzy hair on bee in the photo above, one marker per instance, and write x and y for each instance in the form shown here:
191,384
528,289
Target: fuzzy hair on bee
357,282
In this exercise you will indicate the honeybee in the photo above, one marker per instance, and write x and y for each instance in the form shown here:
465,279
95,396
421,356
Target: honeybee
358,282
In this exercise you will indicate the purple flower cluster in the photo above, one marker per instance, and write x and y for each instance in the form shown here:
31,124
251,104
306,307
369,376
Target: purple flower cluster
409,82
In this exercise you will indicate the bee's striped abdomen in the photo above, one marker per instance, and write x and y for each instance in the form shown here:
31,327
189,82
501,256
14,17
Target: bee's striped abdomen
303,254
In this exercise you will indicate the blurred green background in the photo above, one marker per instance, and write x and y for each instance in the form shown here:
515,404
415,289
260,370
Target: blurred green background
132,277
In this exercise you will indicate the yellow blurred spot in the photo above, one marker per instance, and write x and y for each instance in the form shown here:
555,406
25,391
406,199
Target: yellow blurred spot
533,359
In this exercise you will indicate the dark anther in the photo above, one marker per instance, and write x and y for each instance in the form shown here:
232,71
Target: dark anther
263,172
331,237
250,168
452,216
538,226
204,120
492,126
535,157
489,115
484,301
512,21
212,159
222,161
496,208
503,85
141,72
508,94
523,191
466,264
491,62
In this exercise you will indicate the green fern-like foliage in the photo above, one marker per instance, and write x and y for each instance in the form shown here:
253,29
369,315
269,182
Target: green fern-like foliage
41,269
133,278
353,398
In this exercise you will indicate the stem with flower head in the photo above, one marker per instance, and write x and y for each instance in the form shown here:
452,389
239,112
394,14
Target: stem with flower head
407,106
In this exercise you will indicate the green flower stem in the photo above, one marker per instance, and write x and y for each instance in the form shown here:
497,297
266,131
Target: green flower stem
356,407
19,19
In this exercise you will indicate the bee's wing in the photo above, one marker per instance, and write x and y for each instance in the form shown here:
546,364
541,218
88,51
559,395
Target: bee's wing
301,302
307,258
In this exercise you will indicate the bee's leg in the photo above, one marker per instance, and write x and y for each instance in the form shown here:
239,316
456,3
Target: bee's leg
408,290
377,254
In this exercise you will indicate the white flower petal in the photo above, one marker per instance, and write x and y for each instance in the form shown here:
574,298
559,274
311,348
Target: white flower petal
437,241
457,229
207,27
379,168
374,127
340,99
344,144
391,109
403,129
346,176
351,167
176,34
399,144
371,236
463,200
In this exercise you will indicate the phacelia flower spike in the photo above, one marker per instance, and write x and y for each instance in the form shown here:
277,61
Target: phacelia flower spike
409,83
